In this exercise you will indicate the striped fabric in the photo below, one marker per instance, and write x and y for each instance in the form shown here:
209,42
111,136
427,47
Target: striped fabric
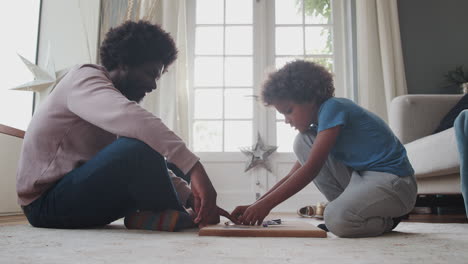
161,221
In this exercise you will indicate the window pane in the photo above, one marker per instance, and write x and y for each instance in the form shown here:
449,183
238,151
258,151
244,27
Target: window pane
208,103
16,106
318,40
288,12
239,40
289,41
317,12
325,61
209,40
238,71
281,61
239,12
238,103
207,136
237,134
279,116
209,11
208,71
285,136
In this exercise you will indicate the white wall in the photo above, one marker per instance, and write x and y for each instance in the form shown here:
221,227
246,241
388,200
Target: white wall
71,28
9,154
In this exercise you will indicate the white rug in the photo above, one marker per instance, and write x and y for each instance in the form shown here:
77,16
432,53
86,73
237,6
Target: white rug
409,243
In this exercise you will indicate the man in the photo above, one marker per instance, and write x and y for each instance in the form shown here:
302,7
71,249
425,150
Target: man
92,155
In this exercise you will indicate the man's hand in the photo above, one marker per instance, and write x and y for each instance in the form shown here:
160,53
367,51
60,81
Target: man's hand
213,217
190,202
204,195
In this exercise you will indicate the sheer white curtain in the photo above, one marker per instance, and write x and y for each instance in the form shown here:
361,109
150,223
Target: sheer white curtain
381,72
170,100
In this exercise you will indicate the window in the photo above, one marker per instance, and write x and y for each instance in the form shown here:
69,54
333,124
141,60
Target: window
223,75
19,22
302,30
232,44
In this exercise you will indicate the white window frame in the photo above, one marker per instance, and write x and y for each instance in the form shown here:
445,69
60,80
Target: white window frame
264,119
234,186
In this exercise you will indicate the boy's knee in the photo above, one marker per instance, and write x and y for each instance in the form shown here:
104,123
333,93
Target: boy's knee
340,221
335,221
297,143
303,144
344,223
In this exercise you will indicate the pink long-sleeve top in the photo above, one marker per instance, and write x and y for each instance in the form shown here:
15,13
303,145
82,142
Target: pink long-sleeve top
84,114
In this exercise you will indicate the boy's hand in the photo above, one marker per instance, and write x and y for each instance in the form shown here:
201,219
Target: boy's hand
239,211
255,214
223,212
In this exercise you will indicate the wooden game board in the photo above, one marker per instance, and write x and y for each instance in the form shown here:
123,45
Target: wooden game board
286,229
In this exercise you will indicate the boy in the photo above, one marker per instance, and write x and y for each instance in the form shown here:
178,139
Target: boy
349,153
92,155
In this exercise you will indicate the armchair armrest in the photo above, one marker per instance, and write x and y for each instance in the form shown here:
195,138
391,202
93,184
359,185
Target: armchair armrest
415,116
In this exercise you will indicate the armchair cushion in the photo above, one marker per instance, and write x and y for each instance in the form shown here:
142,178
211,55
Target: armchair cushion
434,155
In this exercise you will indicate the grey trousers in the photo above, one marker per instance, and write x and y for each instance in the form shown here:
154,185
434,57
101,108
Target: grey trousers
361,203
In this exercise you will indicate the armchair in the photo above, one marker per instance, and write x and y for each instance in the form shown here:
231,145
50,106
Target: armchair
434,157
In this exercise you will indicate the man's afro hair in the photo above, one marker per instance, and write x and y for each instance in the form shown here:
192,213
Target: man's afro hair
133,43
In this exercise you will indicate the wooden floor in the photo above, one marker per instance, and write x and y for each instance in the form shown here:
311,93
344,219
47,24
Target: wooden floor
13,220
423,218
430,218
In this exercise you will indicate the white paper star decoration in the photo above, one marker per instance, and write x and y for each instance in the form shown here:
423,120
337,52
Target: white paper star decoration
44,79
258,154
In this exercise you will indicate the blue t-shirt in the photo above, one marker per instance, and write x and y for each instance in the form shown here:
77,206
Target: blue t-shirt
365,142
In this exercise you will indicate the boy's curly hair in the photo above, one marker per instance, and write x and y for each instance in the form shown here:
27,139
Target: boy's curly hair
133,43
299,81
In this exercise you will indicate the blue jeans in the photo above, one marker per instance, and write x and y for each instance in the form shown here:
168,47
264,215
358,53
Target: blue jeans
461,132
125,176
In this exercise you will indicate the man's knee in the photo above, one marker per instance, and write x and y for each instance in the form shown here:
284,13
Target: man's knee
141,159
132,145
